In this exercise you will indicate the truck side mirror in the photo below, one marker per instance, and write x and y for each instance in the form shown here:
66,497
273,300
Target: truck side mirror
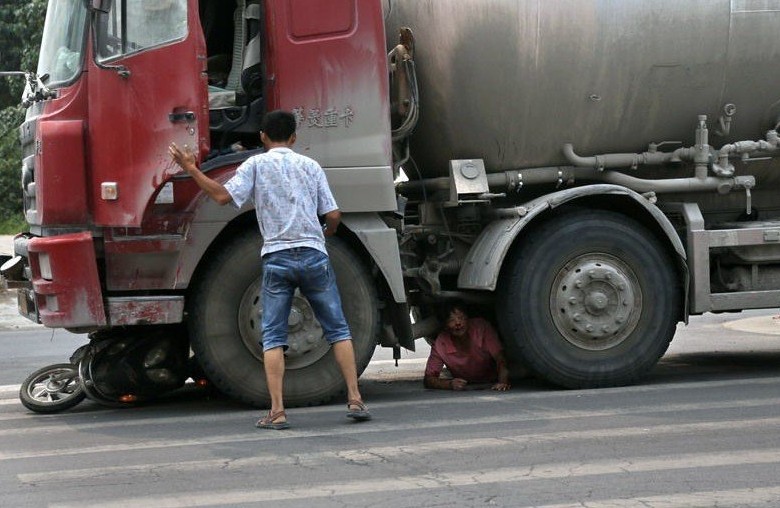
101,5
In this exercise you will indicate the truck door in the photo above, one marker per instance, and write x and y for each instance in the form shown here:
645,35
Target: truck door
147,88
327,64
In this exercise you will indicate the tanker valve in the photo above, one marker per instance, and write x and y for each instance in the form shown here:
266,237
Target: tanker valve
724,122
747,158
747,183
653,147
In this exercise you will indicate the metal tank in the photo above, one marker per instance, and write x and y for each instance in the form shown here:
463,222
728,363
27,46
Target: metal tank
513,81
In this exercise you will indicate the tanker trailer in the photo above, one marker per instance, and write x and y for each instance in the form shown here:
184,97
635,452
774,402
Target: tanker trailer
595,171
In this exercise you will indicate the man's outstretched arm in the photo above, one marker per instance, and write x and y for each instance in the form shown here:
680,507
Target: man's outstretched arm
186,160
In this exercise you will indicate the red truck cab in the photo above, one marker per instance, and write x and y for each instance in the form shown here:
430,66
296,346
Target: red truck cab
111,219
120,239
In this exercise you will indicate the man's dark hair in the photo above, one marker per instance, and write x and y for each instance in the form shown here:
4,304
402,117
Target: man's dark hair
278,125
450,307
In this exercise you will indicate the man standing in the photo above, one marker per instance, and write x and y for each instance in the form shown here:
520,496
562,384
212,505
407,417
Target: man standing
290,192
470,349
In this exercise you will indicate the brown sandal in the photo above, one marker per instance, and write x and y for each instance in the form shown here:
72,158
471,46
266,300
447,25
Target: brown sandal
268,421
360,414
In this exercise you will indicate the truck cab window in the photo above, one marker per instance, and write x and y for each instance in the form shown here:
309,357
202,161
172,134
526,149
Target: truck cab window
233,30
134,25
62,46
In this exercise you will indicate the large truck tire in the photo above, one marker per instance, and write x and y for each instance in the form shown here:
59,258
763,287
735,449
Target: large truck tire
590,299
224,322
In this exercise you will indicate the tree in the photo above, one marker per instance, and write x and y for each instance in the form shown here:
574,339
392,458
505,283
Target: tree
21,26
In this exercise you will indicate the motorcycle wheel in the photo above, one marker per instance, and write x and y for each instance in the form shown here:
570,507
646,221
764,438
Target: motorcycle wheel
41,393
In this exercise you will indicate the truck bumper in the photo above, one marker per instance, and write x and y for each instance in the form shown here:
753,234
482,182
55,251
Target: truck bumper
58,285
65,290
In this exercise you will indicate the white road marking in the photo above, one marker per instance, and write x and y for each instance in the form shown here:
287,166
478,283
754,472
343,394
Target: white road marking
375,454
529,413
768,496
663,429
434,481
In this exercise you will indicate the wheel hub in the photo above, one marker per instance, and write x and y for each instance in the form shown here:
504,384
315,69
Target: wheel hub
304,333
596,301
53,386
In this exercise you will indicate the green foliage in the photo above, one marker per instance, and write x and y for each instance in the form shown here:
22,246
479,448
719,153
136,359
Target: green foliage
21,26
13,224
10,163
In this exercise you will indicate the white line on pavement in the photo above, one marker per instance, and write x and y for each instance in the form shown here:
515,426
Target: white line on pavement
373,427
761,496
366,456
449,480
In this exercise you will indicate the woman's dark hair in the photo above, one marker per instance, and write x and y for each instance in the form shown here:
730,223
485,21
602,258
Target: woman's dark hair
278,125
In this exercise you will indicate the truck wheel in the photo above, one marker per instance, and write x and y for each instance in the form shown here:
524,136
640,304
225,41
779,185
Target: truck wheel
589,300
224,321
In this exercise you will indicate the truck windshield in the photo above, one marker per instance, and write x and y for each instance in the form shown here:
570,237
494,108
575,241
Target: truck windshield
62,46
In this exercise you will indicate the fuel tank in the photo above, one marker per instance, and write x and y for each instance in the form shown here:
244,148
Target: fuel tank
511,81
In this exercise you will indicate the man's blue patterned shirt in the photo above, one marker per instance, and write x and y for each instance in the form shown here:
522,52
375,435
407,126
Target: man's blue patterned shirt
289,192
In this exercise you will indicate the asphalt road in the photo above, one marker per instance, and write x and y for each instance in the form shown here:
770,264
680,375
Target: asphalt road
702,430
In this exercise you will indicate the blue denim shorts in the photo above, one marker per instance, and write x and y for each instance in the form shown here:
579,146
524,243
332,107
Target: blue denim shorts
309,270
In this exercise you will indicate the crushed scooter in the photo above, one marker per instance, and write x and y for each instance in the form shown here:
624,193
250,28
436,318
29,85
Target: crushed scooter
118,367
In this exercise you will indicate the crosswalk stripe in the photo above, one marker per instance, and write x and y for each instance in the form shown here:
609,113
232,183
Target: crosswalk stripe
367,456
529,413
767,496
367,428
432,481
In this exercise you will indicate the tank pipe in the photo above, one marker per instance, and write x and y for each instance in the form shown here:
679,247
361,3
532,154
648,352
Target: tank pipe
626,160
401,61
510,180
769,147
672,185
413,114
429,184
641,185
699,155
692,184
